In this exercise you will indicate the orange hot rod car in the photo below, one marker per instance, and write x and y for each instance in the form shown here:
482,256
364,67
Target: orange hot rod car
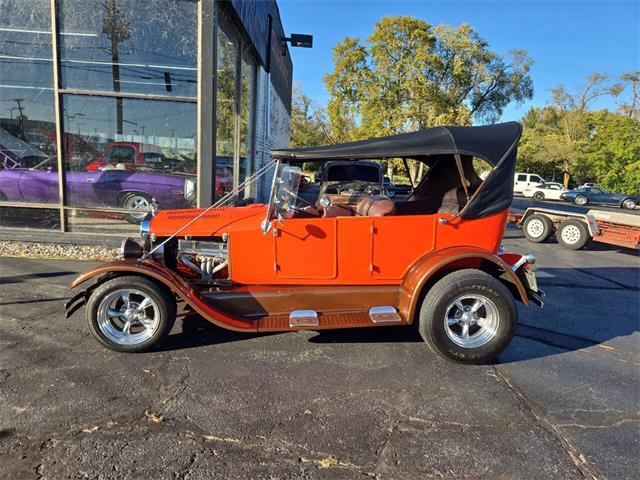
434,259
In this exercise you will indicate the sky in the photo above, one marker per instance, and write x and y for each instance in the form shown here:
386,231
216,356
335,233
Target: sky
567,40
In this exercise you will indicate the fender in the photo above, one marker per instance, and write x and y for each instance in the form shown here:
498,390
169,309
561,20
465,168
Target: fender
177,285
463,257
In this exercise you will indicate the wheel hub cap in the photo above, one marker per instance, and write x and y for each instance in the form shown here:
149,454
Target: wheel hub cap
128,316
471,321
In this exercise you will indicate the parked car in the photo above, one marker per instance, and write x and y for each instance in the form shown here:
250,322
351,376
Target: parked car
522,181
435,259
138,156
392,189
545,191
588,184
108,188
595,195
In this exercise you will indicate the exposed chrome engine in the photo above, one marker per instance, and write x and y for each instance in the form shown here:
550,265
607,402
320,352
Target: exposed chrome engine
208,259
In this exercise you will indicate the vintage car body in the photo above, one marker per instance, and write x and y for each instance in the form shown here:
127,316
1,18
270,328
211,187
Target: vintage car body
281,267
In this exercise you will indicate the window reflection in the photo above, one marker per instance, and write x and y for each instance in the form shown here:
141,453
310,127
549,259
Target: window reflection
27,128
235,85
226,95
152,158
129,45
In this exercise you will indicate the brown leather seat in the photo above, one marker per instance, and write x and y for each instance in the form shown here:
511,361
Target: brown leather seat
337,211
375,207
453,201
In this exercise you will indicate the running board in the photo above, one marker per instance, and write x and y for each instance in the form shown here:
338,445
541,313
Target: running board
386,314
303,318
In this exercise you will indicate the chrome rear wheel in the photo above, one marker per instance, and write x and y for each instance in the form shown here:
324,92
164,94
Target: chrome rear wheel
471,321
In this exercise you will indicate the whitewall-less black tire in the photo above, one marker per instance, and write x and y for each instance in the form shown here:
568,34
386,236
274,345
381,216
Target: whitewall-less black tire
468,316
130,313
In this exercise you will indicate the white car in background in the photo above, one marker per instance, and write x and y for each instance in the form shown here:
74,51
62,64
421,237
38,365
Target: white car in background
522,181
545,191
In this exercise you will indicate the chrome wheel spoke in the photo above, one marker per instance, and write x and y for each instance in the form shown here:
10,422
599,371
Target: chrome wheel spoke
145,322
126,329
144,304
476,305
112,312
126,299
459,305
452,321
465,331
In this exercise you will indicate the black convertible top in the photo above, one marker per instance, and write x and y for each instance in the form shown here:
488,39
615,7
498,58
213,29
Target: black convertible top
496,144
489,142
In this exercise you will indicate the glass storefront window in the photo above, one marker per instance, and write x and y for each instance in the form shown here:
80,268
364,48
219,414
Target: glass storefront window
27,126
235,85
247,88
226,98
136,46
150,155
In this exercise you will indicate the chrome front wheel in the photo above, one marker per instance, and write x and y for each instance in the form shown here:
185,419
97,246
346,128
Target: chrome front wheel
130,313
128,316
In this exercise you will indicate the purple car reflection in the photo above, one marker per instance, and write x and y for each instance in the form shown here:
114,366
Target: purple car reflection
107,188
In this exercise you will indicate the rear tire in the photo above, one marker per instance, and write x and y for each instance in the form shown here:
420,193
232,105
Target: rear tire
468,316
537,228
136,201
538,196
573,234
130,314
629,204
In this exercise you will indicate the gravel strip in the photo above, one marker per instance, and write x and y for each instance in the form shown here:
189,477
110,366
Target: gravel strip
57,251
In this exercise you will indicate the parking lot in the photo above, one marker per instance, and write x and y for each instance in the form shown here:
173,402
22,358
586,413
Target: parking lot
561,401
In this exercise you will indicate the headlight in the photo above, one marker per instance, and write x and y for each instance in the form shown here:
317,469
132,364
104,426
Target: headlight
145,228
325,202
190,189
130,249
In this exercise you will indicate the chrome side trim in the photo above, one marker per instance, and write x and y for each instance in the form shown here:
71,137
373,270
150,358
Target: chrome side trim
303,318
384,314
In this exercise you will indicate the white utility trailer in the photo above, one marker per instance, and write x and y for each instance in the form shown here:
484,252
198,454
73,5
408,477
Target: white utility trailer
574,230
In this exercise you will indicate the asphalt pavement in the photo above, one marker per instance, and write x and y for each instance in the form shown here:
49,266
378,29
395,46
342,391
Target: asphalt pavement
561,402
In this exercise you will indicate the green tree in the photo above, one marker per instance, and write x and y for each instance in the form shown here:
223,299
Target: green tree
309,121
410,75
567,137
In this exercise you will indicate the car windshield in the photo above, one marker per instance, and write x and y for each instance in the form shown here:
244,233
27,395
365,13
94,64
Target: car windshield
351,173
46,164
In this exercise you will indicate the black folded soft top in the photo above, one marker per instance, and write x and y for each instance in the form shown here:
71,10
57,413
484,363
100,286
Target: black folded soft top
496,144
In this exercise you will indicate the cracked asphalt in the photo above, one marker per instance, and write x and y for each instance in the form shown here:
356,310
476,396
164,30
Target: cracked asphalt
561,402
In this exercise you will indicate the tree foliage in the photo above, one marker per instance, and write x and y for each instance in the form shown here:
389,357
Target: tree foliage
410,75
597,146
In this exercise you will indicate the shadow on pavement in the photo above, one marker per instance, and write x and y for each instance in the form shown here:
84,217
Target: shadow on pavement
31,276
570,321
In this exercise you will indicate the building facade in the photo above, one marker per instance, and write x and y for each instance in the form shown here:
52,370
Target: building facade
109,105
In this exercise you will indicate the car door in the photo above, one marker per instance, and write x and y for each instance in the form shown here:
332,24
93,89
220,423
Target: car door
596,195
305,248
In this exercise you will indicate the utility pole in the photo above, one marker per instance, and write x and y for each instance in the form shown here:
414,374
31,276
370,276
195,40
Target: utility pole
117,30
20,116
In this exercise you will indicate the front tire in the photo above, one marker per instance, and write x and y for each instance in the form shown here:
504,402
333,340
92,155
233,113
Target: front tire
538,196
130,314
468,316
573,234
581,200
537,228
